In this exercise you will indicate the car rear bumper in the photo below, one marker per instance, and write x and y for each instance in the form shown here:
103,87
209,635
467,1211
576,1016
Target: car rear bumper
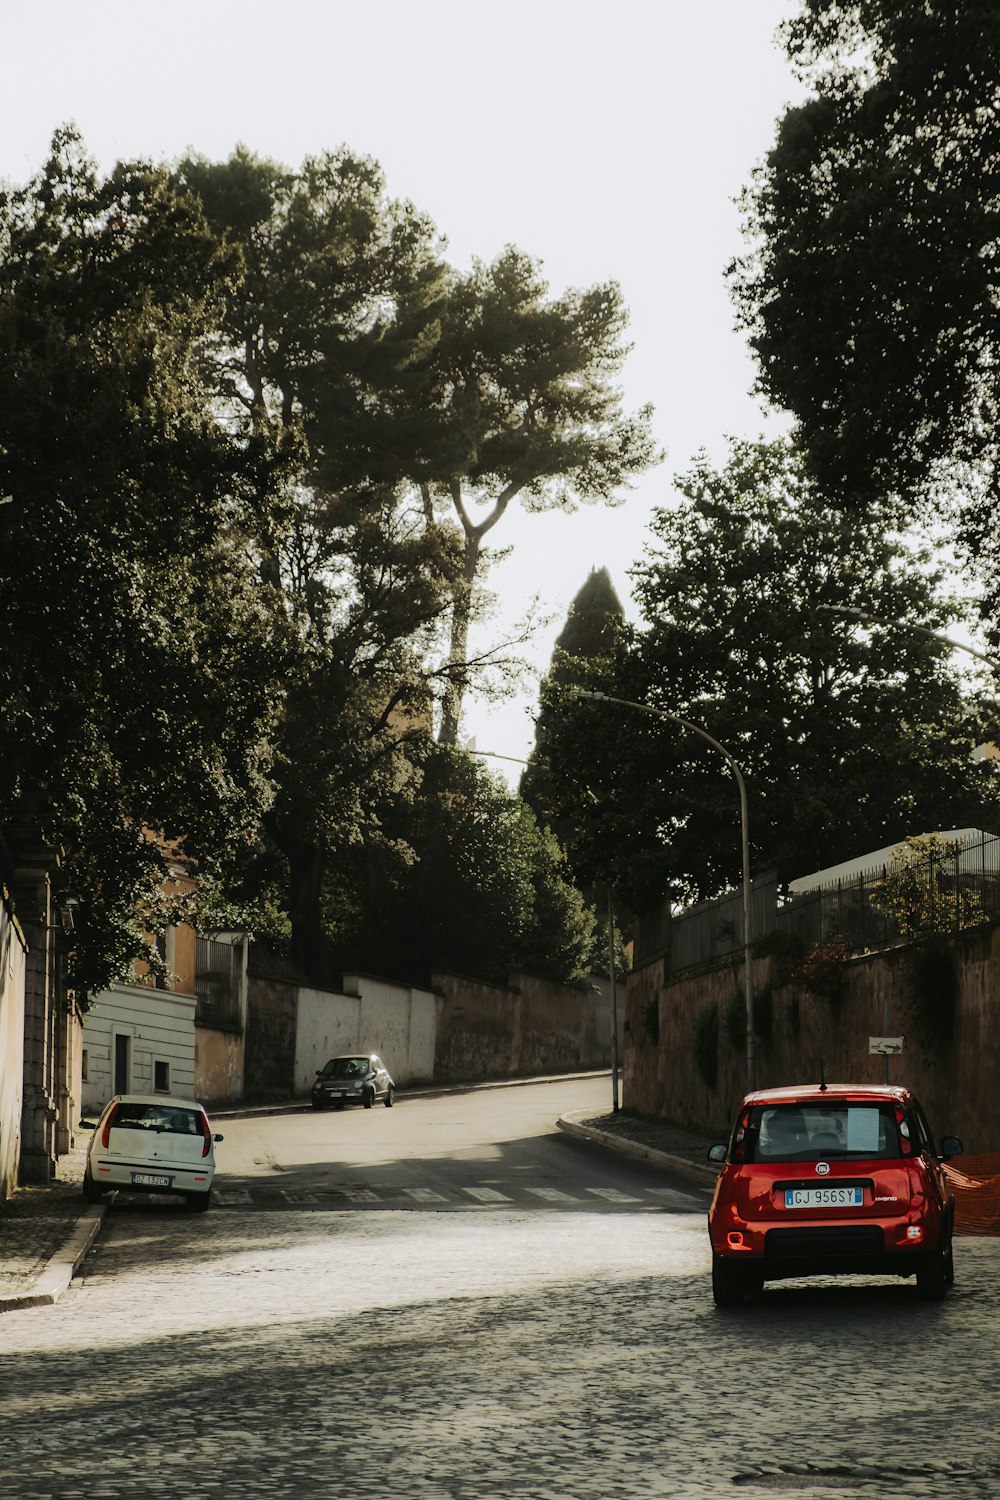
122,1176
781,1251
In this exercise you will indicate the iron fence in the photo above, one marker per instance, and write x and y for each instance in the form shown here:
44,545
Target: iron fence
219,984
876,909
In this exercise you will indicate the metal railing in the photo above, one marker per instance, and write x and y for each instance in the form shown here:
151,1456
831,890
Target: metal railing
876,909
218,984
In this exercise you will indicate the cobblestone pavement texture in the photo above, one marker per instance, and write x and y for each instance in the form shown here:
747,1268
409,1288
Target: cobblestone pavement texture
37,1222
566,1352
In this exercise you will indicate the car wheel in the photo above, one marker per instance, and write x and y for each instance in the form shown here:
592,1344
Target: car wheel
932,1277
369,1098
200,1202
729,1283
91,1191
389,1096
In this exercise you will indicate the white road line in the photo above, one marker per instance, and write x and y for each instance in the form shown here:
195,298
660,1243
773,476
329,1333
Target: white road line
612,1195
487,1195
553,1195
424,1195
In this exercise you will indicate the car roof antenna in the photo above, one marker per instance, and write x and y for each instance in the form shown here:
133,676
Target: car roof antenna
822,1078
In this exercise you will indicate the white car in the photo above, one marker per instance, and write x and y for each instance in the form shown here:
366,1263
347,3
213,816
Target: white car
151,1144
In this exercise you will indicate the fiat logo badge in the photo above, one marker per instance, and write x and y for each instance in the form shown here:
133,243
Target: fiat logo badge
822,1168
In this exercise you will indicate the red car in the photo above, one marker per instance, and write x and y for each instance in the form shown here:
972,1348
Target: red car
831,1179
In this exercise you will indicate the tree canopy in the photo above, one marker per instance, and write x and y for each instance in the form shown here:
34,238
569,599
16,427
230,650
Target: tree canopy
869,286
463,880
519,401
848,738
139,679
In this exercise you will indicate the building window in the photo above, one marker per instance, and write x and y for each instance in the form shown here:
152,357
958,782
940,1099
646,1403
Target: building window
83,1065
161,1077
217,983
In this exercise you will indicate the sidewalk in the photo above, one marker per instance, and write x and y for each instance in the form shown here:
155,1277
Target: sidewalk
45,1232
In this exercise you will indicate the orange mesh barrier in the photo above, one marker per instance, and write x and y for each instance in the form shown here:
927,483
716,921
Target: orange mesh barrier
976,1185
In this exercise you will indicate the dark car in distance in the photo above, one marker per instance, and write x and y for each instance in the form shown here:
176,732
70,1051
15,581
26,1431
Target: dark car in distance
831,1179
356,1078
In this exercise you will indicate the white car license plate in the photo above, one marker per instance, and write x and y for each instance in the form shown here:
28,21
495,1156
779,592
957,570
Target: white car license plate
151,1179
824,1197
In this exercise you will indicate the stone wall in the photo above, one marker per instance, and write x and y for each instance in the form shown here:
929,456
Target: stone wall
951,1026
527,1027
463,1031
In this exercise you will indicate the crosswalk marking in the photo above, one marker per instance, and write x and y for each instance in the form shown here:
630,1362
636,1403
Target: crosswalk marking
330,1194
674,1198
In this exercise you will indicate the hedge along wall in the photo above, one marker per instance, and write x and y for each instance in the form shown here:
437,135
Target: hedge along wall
685,1043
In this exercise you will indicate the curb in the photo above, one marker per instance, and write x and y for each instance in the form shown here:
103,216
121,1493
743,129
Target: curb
61,1267
705,1175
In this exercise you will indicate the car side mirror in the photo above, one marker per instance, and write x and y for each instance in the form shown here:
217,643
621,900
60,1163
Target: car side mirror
88,1125
717,1154
218,1138
950,1146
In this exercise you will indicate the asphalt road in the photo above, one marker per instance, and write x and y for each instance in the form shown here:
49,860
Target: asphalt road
452,1300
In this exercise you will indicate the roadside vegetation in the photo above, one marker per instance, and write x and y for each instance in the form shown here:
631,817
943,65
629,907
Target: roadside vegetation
257,442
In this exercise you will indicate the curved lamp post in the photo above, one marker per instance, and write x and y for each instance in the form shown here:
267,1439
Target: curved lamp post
661,713
864,618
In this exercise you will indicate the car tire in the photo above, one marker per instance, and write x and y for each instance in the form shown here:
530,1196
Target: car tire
730,1284
389,1097
200,1203
91,1190
369,1098
932,1277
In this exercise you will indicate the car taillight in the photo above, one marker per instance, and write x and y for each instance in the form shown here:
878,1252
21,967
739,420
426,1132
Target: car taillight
106,1132
905,1142
206,1131
737,1151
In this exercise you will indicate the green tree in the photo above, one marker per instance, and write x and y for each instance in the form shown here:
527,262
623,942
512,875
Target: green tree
519,402
333,302
464,879
847,738
139,680
922,890
869,289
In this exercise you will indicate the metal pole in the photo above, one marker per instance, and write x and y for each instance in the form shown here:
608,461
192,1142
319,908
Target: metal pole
614,1001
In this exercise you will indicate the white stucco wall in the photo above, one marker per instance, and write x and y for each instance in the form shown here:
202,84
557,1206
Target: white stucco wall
394,1020
159,1025
399,1023
327,1025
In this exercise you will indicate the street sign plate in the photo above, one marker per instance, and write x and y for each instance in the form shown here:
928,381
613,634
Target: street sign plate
885,1046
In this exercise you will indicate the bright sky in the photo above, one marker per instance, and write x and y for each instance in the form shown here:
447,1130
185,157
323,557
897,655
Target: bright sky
607,138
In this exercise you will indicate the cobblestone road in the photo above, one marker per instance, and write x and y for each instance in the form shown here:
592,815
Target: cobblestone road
513,1345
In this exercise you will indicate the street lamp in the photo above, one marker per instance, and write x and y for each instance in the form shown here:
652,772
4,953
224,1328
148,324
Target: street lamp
661,713
493,755
864,618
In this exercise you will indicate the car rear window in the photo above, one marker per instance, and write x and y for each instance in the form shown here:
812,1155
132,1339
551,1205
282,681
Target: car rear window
815,1132
156,1117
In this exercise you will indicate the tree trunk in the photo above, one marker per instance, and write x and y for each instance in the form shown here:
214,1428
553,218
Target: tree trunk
458,650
